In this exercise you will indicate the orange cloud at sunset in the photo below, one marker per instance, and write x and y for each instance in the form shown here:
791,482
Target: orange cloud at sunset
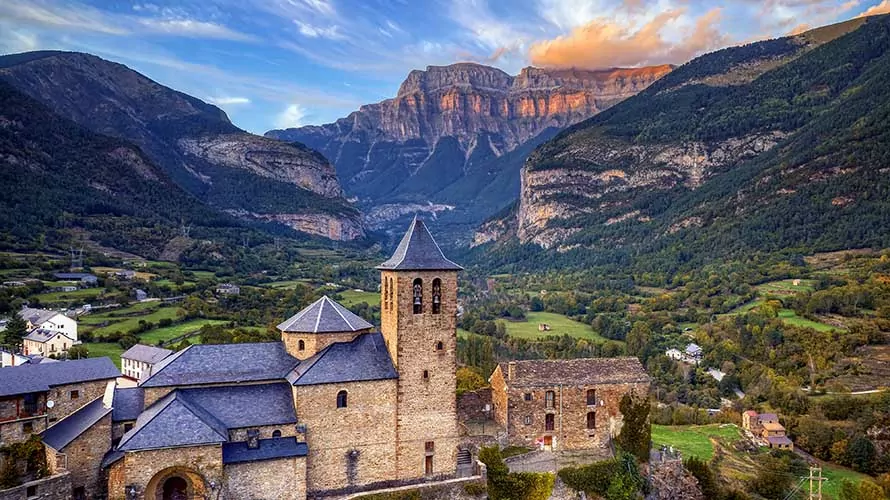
881,8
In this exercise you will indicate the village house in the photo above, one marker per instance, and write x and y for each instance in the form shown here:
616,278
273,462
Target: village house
50,333
693,353
767,428
49,320
228,289
140,359
85,279
564,404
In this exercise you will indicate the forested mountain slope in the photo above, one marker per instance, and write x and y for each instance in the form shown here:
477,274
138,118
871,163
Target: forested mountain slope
244,175
776,145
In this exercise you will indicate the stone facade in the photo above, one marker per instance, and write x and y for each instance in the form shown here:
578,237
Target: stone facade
560,416
265,432
314,342
471,405
423,347
83,458
147,470
352,446
50,488
67,399
281,479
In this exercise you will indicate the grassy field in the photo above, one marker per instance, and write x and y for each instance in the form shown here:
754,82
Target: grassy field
111,349
831,489
786,287
351,298
694,440
286,284
790,317
125,324
82,295
559,325
152,337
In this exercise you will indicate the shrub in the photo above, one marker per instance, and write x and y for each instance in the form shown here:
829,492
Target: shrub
614,479
506,485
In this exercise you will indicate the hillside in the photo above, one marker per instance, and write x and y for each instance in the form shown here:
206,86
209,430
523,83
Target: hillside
452,141
244,175
776,145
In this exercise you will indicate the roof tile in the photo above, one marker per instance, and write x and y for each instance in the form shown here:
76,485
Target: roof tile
584,371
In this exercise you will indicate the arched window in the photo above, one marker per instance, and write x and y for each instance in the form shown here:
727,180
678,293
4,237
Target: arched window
440,346
591,397
341,399
276,433
418,296
437,296
591,420
301,346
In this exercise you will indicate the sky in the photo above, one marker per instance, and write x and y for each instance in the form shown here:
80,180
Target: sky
286,63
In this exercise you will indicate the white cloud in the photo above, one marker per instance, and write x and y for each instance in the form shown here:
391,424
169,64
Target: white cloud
227,101
194,29
79,18
291,117
881,8
331,32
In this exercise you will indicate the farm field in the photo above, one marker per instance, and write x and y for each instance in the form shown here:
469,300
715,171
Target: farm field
112,350
152,337
125,324
285,284
791,318
787,287
77,296
351,298
694,440
559,325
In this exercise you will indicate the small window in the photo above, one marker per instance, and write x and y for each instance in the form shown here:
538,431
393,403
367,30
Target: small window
528,420
276,433
301,346
391,289
440,346
31,491
549,398
426,375
28,427
429,446
80,493
527,396
418,296
591,420
341,399
128,427
549,422
591,397
75,394
437,296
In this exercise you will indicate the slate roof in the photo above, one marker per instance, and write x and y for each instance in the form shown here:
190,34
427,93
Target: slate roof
418,251
188,417
30,378
324,316
365,358
146,353
222,363
128,403
75,276
584,371
36,316
779,440
63,432
41,335
111,457
269,449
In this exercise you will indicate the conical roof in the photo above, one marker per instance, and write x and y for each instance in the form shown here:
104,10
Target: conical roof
324,316
418,251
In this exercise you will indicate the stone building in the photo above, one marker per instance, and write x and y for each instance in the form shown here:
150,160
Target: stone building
333,408
767,428
564,404
139,359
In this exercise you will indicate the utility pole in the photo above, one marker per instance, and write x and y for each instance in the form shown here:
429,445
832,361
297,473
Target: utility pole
816,494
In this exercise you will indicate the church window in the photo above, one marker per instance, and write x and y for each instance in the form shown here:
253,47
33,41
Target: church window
276,433
301,345
440,346
437,296
549,397
391,292
591,420
418,296
341,399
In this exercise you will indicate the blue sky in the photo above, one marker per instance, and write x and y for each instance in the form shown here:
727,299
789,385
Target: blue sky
279,63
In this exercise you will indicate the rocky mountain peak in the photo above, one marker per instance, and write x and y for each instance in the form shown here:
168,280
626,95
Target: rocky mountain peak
454,75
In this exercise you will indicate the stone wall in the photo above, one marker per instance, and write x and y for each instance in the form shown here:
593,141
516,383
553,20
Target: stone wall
427,408
472,488
82,458
471,405
526,419
147,469
266,431
352,446
14,431
65,404
314,342
281,479
50,488
499,403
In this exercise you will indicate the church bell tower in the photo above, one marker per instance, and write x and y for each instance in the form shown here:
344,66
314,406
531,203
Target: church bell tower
418,305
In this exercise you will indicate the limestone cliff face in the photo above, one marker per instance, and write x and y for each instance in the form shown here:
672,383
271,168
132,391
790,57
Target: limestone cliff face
457,135
192,141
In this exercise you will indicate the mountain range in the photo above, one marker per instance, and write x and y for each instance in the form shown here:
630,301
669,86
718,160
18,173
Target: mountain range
453,139
192,143
778,145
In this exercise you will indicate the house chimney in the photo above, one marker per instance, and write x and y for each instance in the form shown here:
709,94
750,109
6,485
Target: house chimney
511,370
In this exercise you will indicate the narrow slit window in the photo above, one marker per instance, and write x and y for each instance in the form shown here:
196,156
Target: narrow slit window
437,296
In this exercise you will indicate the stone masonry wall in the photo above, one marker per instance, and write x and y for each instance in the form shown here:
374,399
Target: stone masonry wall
282,479
139,468
350,446
50,488
83,457
63,402
314,342
471,405
266,431
427,408
499,401
569,411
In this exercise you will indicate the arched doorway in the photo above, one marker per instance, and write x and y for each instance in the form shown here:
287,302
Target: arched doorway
175,488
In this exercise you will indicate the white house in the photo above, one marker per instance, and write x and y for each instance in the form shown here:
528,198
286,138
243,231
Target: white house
694,352
42,342
674,354
49,320
140,359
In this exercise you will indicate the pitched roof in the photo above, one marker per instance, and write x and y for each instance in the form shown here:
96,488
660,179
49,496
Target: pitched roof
584,371
146,353
63,432
173,421
36,316
365,358
779,440
324,316
246,405
418,251
128,403
222,363
42,336
768,416
269,449
30,378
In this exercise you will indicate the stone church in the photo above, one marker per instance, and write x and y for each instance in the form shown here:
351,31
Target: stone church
335,407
